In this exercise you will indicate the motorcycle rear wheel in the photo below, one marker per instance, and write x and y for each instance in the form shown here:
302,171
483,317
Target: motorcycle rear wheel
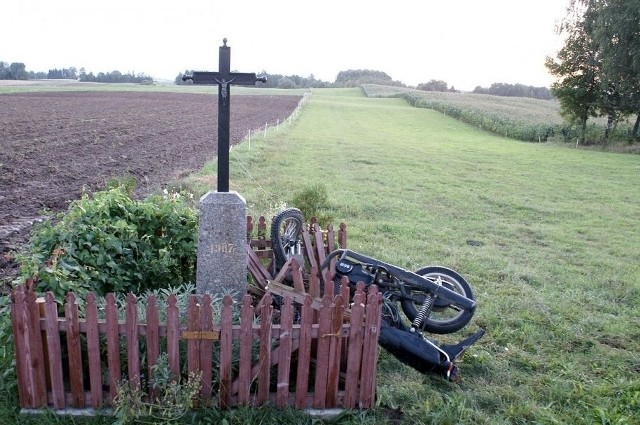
444,318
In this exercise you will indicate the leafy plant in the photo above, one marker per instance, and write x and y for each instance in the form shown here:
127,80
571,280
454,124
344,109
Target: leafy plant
313,201
109,242
8,378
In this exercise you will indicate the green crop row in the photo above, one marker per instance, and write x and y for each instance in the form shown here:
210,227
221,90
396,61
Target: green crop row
527,119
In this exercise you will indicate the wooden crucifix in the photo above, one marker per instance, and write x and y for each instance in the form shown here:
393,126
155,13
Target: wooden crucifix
224,78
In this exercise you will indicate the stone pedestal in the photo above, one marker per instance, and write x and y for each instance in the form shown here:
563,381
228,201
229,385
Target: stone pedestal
222,260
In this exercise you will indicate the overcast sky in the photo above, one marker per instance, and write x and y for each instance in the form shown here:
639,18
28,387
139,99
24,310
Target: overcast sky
463,42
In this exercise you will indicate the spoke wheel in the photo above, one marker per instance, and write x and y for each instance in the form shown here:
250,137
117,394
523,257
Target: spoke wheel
286,236
444,318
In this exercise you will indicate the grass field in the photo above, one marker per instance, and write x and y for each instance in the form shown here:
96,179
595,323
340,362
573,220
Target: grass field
547,236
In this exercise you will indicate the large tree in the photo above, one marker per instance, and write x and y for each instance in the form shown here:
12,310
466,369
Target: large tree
615,26
578,70
598,68
15,71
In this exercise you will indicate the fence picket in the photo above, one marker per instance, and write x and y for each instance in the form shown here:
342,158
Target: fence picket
173,337
206,347
20,340
322,357
262,227
370,348
226,347
314,282
75,351
153,339
133,349
246,346
304,353
36,351
308,246
113,344
249,227
284,354
30,361
331,238
354,356
296,275
328,279
345,291
54,349
319,243
335,343
342,236
93,351
193,326
265,350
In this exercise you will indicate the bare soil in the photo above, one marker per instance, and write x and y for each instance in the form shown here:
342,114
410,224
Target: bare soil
54,145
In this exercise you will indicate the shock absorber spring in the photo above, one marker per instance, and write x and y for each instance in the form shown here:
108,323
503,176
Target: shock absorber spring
423,313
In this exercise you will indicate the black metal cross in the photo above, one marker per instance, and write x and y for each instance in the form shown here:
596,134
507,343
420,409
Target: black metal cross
224,78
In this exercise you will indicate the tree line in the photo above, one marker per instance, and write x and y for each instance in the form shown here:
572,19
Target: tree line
598,69
348,78
496,89
114,77
515,90
18,71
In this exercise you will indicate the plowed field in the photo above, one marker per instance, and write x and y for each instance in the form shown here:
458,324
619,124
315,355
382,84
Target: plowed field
52,144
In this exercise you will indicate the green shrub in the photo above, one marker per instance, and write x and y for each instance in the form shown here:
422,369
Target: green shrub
8,379
109,242
313,201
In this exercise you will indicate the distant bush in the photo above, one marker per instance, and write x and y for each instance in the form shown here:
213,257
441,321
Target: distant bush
109,242
313,201
435,85
357,77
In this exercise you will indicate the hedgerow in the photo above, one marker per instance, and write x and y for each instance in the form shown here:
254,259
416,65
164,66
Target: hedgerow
505,123
527,119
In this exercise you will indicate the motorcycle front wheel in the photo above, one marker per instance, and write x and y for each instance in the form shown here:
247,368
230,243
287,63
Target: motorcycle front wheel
444,318
286,236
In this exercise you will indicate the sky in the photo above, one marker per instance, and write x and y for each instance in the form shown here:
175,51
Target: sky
466,43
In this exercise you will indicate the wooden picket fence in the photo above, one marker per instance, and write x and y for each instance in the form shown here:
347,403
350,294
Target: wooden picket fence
327,359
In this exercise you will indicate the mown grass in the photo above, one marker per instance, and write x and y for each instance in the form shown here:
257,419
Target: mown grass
547,236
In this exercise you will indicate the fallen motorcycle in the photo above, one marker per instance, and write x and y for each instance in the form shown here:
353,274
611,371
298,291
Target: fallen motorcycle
433,299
